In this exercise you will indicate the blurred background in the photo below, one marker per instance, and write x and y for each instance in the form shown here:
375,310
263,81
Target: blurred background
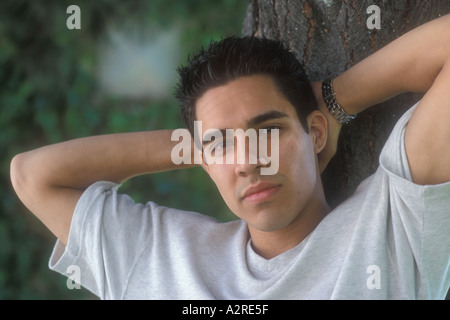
115,74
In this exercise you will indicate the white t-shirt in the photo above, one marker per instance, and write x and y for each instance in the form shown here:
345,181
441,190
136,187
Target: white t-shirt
390,240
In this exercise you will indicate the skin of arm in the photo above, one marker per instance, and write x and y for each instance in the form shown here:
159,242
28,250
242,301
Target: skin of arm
50,180
419,61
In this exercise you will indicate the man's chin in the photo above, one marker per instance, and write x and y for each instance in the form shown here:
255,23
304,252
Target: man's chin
266,222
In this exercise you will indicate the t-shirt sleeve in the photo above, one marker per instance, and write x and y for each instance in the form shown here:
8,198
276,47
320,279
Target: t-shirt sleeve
107,235
423,211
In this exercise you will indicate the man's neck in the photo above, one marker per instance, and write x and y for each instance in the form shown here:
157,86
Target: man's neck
269,244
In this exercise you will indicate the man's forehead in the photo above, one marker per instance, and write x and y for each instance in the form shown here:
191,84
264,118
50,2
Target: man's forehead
244,122
253,122
243,102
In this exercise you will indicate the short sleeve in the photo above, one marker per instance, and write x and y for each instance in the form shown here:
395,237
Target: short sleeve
107,235
423,212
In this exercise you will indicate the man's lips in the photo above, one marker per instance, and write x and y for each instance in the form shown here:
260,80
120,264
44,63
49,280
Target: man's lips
260,192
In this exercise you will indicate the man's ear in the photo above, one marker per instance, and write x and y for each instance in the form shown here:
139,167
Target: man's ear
318,129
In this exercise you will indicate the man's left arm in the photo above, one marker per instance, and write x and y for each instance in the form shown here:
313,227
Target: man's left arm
427,136
419,61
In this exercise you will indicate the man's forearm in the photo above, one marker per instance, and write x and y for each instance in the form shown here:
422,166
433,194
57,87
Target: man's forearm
116,157
410,63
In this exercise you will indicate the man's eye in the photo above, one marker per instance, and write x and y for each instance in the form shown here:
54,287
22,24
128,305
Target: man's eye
268,129
220,145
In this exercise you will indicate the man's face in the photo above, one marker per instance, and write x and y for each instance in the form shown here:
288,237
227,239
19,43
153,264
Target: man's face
265,202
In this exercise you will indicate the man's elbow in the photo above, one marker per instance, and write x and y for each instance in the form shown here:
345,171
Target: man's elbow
24,178
17,174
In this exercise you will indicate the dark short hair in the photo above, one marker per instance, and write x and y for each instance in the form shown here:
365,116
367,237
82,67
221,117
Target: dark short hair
235,57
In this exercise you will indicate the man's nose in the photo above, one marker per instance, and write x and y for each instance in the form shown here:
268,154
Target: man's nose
247,160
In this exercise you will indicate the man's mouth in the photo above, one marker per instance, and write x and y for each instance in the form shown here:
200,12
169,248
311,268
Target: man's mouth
260,192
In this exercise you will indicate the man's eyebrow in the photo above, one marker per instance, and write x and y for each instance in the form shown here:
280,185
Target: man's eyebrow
269,115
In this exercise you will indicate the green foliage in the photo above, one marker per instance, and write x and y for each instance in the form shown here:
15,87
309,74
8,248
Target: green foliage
49,93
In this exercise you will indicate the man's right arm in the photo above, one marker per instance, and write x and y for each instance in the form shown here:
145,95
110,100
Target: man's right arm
50,180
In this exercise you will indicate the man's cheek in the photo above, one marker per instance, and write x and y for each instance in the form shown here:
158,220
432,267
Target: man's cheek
271,159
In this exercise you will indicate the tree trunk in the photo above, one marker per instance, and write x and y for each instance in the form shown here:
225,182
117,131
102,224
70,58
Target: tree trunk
329,36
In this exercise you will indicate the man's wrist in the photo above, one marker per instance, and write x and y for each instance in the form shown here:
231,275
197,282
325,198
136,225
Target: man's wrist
333,106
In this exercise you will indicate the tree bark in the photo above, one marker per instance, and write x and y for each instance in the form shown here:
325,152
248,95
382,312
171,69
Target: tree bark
329,36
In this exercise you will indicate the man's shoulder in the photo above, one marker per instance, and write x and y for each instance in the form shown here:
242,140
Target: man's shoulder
105,198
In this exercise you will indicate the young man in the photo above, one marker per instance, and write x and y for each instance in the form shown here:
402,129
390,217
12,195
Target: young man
390,240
